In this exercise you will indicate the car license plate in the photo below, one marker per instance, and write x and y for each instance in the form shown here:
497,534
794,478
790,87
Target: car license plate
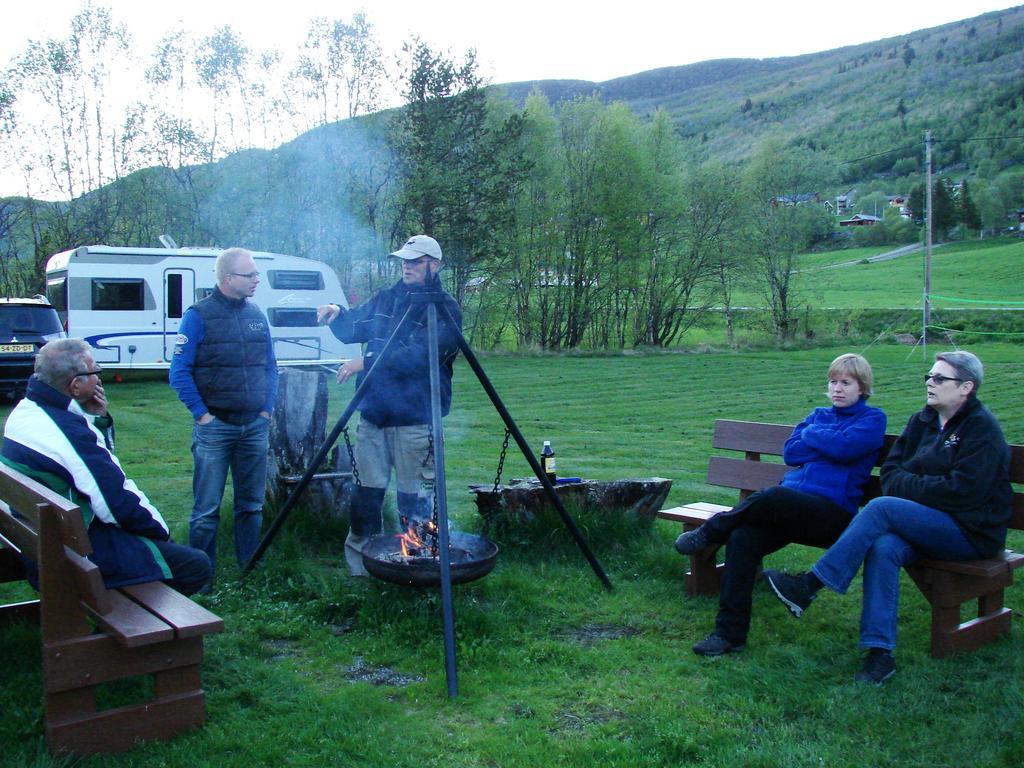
17,348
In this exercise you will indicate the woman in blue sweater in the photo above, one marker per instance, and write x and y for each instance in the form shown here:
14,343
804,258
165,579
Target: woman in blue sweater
833,450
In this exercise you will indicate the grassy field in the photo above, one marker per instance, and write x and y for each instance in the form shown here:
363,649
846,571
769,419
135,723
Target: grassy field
316,669
986,270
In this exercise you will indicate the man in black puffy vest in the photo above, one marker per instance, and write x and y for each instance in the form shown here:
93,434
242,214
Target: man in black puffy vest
225,373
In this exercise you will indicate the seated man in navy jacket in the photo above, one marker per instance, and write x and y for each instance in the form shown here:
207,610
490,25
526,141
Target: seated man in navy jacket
59,435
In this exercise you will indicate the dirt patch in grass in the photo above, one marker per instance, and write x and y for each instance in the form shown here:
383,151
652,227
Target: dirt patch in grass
574,721
589,634
361,672
283,649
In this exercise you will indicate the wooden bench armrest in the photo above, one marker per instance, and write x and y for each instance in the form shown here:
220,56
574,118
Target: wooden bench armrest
189,619
131,624
697,513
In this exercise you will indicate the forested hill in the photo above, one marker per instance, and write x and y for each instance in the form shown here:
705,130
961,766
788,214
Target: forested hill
962,80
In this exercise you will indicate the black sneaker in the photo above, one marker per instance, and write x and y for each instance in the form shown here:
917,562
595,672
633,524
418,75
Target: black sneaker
791,590
716,645
879,666
692,542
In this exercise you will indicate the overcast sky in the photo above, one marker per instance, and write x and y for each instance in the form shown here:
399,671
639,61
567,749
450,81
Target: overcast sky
528,39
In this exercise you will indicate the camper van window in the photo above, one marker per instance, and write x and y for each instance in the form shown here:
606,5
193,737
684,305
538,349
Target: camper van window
118,293
295,280
57,293
292,318
174,297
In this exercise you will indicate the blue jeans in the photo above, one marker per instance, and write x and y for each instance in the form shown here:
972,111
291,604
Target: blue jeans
886,535
190,568
216,447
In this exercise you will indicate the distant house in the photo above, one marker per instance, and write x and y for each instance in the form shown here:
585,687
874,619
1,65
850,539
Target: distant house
900,202
844,203
860,220
801,199
1020,219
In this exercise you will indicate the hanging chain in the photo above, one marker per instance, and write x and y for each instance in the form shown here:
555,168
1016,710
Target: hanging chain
501,461
351,457
428,459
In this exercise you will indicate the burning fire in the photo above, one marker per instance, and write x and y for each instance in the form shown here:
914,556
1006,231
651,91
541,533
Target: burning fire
420,540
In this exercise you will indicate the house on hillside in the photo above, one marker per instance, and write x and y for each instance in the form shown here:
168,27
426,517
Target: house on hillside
844,203
860,220
801,199
900,203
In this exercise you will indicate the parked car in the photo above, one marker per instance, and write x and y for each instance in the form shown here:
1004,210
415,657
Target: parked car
25,326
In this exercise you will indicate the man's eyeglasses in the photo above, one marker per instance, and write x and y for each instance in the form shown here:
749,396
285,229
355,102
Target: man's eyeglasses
247,275
939,379
97,372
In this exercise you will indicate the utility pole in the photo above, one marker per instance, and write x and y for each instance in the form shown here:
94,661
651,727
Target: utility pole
927,241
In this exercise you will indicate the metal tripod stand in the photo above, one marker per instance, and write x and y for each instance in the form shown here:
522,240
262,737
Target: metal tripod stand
431,302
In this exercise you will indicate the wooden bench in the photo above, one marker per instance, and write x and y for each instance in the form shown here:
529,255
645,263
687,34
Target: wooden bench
946,585
92,635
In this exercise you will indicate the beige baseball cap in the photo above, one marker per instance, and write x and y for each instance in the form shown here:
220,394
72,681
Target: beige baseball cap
419,245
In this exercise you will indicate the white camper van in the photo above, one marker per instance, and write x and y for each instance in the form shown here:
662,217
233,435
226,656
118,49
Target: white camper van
128,302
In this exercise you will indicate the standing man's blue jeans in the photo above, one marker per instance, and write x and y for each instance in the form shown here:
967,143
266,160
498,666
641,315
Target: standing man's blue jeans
886,535
216,447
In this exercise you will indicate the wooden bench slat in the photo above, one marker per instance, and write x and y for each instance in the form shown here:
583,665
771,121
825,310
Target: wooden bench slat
188,618
744,475
751,436
697,513
18,534
988,569
131,624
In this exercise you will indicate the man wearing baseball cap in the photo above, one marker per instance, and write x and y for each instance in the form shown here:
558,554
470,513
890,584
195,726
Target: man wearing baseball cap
394,428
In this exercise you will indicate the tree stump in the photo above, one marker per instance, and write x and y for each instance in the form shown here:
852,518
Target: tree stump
297,432
521,501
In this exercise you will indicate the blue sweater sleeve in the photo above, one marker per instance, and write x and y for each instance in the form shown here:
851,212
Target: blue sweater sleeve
848,439
190,335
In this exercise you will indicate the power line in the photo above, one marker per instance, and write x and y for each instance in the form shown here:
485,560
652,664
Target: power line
914,147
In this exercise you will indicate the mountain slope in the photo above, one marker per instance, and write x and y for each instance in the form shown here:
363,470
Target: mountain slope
961,80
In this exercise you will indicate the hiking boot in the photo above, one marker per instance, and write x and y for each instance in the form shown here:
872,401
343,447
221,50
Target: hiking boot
354,554
716,645
792,591
879,666
692,542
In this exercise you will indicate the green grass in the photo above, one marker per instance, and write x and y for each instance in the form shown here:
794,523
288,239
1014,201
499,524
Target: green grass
987,270
278,680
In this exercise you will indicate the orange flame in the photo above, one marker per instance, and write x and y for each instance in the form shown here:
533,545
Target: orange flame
410,541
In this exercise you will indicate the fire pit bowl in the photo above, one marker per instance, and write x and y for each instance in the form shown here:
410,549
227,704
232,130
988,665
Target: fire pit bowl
472,557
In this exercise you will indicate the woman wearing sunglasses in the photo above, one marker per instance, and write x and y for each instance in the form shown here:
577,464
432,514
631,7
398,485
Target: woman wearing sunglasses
947,497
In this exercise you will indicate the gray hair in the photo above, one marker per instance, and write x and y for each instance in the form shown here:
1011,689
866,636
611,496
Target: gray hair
59,360
968,367
227,260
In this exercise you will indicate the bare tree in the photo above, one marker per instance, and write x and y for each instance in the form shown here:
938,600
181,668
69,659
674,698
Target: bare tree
340,68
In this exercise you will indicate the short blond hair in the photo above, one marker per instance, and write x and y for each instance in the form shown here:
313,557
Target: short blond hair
227,260
857,367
